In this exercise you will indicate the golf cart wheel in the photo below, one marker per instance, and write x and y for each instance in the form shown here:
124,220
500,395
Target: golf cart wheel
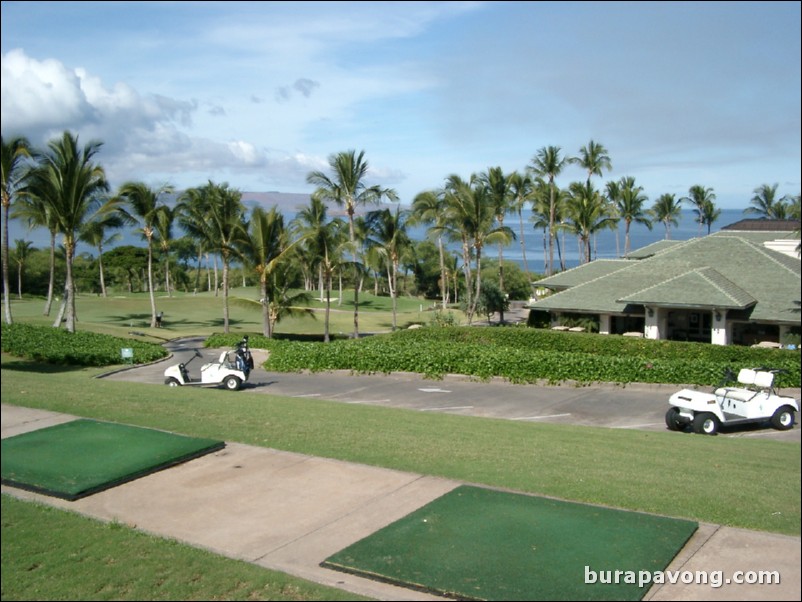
673,421
783,418
705,424
172,382
232,383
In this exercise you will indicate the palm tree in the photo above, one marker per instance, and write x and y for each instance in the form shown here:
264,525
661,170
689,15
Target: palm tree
226,227
500,196
347,189
73,185
708,214
163,235
766,204
323,242
94,233
140,204
429,208
593,158
265,247
699,196
587,213
549,164
666,209
14,154
630,207
193,211
38,212
392,242
21,254
522,191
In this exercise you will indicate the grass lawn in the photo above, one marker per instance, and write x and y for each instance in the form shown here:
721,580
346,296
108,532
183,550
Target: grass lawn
202,314
740,482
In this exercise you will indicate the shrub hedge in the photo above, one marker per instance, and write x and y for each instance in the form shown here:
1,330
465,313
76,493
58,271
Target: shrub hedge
525,355
58,346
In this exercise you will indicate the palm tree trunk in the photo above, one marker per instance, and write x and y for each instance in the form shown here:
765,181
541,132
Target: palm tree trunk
52,281
6,299
523,244
150,286
100,265
225,294
266,325
443,275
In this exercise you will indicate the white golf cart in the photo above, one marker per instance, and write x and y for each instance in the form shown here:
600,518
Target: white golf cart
755,400
230,370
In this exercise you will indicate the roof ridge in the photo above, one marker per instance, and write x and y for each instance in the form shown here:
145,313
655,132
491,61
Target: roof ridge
712,281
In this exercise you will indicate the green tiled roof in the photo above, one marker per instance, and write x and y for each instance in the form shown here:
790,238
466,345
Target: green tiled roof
704,287
652,249
583,273
726,270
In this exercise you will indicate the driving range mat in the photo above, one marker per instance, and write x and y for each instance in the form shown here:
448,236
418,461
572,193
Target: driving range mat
79,458
482,544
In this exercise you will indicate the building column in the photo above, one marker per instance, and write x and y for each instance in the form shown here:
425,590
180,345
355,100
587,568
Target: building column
651,329
720,332
604,323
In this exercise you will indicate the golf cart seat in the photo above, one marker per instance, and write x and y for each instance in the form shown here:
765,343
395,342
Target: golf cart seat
754,382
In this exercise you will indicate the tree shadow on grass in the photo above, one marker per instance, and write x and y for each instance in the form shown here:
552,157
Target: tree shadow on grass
24,365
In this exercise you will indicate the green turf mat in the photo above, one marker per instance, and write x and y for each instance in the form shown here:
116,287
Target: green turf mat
483,544
79,458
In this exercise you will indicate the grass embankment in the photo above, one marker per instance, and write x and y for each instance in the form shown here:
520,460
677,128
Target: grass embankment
711,479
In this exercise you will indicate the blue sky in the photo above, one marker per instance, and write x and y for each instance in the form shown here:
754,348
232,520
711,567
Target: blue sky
258,94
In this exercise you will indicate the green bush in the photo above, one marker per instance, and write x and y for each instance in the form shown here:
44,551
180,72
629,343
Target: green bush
58,346
524,355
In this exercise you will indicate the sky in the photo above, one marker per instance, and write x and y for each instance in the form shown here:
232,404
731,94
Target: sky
260,94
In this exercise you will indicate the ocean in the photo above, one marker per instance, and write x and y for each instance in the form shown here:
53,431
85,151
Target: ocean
606,245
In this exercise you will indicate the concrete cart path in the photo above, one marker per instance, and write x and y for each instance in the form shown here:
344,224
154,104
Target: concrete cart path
289,512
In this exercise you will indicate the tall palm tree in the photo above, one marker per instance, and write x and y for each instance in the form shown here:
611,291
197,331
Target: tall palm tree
323,242
630,207
521,189
766,204
347,188
265,247
667,209
140,204
593,158
699,197
38,212
587,215
165,218
392,241
708,214
226,227
74,185
22,252
193,214
500,196
549,164
14,154
94,233
428,207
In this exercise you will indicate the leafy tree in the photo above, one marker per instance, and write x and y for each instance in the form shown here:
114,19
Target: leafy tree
347,188
522,189
500,193
22,252
323,241
14,153
593,158
265,246
630,207
701,199
666,210
491,301
390,239
765,203
73,185
586,213
549,164
140,204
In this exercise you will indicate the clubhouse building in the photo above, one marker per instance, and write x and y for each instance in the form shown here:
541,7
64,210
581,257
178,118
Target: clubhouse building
738,286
